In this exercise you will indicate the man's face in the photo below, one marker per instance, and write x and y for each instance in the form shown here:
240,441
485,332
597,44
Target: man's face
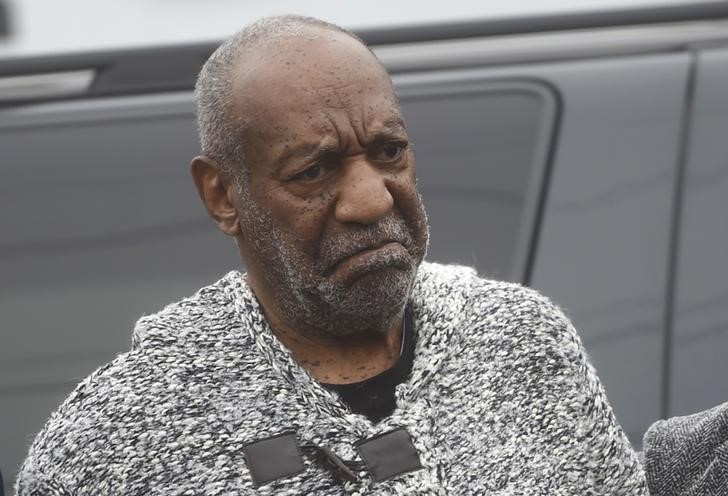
332,226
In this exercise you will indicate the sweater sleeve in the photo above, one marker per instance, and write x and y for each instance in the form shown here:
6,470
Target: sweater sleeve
688,455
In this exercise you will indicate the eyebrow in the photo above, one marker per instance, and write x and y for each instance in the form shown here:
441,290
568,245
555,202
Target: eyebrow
305,150
390,125
314,149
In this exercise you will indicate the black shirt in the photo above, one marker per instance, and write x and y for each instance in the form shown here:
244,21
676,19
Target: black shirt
374,397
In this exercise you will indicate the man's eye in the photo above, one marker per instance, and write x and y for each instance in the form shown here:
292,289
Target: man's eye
389,152
311,174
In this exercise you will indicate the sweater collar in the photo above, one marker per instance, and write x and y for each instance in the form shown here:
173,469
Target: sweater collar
437,303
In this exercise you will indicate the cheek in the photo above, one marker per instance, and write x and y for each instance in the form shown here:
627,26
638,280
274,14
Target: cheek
409,203
303,219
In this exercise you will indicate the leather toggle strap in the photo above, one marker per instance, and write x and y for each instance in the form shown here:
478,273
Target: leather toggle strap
390,454
330,460
385,456
273,458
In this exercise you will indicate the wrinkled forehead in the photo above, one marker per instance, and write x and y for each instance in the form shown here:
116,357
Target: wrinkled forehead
312,80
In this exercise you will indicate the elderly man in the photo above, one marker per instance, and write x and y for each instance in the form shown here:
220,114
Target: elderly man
340,363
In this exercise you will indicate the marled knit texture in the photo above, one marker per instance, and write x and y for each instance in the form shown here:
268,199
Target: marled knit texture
501,400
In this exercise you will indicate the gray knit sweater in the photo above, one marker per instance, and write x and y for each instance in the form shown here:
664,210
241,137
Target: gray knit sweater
501,400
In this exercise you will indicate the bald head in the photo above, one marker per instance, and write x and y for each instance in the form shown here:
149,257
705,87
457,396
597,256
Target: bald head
274,55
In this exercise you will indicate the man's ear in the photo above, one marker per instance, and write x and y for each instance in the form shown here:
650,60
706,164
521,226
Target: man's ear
217,190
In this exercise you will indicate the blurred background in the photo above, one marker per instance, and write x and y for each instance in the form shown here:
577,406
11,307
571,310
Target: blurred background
578,147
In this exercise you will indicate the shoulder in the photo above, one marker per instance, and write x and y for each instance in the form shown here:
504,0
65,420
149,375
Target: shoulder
84,423
525,331
483,293
517,357
185,358
491,308
433,277
494,322
199,320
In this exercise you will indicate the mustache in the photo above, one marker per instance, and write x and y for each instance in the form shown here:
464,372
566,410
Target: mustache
354,239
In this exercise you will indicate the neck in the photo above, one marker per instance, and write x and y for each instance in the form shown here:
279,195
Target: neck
342,360
333,360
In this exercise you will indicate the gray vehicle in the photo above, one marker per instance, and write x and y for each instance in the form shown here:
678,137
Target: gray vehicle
583,155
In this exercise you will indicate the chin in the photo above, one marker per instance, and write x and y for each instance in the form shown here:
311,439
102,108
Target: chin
371,303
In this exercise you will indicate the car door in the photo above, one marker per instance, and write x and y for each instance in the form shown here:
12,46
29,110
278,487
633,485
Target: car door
698,339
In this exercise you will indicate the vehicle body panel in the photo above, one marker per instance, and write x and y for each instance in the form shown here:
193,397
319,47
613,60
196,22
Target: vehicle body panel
700,314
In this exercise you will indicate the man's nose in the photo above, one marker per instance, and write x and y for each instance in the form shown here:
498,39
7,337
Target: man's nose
363,197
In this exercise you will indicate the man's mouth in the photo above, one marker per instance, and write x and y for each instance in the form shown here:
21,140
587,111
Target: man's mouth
387,254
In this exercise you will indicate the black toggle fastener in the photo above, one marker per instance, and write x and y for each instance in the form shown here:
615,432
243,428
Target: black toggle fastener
330,460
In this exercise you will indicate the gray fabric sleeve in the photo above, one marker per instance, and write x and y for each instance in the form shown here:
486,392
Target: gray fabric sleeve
688,456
